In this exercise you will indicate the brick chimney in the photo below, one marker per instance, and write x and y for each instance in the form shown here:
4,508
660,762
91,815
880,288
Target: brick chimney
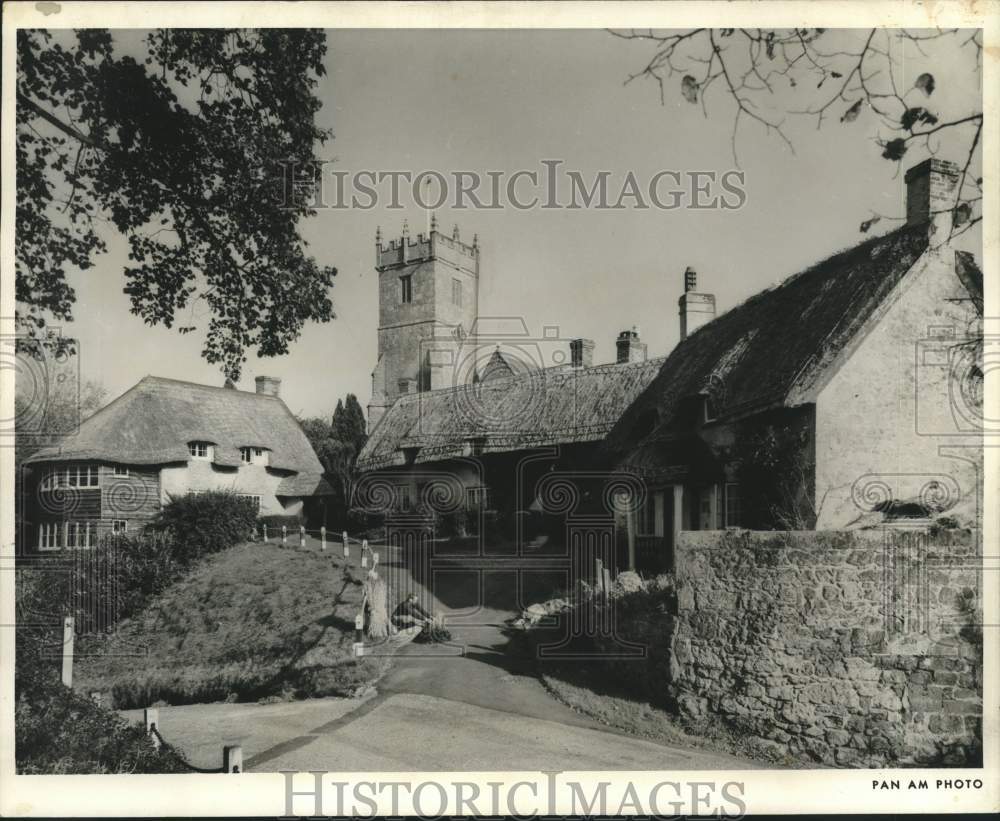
630,349
581,353
930,194
695,309
268,385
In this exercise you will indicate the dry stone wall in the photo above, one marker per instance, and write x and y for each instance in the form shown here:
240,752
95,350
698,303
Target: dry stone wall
846,648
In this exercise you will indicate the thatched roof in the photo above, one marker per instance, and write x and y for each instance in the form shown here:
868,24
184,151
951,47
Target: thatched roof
534,409
774,349
153,422
304,484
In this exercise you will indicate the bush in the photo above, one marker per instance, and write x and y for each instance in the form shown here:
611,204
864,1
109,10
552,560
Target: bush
203,523
59,731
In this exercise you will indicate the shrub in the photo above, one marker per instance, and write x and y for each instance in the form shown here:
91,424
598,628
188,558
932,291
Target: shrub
203,523
59,731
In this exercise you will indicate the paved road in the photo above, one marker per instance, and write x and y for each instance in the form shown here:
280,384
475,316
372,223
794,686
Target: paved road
473,705
478,710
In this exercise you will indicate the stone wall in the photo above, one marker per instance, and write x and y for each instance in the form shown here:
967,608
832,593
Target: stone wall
847,648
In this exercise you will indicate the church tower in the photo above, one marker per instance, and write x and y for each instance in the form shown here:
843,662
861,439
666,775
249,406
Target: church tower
428,300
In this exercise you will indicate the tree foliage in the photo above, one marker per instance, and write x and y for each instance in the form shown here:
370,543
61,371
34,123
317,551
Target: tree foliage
183,151
338,442
770,75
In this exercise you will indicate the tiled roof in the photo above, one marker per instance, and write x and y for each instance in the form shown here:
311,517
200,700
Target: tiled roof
153,422
534,409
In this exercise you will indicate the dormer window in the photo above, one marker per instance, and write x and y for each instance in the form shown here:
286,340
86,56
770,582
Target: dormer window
199,450
253,456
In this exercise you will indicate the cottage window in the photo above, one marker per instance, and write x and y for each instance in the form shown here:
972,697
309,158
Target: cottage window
404,498
119,526
406,288
253,456
479,498
252,498
456,292
77,534
199,450
49,535
121,471
82,476
734,505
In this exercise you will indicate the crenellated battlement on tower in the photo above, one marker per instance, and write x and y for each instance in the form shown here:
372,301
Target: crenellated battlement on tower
425,283
424,247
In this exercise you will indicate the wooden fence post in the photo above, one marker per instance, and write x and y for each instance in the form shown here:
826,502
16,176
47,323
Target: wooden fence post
284,534
347,549
364,553
232,759
67,651
265,532
322,538
302,535
151,716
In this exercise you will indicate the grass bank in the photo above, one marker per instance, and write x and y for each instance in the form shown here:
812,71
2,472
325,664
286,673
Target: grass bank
253,622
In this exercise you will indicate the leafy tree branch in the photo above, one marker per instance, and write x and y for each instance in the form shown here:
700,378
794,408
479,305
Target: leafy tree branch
183,153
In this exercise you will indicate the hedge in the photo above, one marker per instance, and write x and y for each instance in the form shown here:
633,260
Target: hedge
203,523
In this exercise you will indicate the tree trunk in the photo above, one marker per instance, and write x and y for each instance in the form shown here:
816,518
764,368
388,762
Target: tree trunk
376,594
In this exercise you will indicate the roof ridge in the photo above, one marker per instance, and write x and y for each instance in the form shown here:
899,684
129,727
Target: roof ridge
155,378
798,275
553,370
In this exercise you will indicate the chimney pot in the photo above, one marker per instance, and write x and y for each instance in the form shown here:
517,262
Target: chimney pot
581,353
695,309
630,348
268,385
690,279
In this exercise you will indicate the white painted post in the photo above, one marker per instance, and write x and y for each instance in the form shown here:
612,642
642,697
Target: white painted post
152,718
364,553
67,651
359,631
322,538
302,535
265,533
284,534
232,759
347,549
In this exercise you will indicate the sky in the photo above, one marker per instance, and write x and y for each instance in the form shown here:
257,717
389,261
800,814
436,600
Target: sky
505,100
